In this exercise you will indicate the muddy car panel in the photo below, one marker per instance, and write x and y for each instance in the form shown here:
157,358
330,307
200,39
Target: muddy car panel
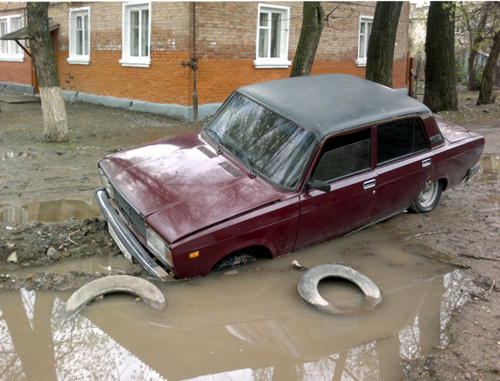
281,166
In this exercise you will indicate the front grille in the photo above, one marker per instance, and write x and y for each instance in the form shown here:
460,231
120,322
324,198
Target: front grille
133,215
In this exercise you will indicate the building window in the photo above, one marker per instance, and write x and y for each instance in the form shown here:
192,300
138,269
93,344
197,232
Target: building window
10,50
79,36
136,35
272,37
365,28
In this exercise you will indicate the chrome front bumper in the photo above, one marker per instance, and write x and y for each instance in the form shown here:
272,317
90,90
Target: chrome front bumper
125,239
472,172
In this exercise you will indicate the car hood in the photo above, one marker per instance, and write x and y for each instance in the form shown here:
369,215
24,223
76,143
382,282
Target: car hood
180,185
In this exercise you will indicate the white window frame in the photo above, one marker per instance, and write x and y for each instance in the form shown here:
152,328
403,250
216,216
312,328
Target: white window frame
75,57
127,58
363,39
9,49
273,62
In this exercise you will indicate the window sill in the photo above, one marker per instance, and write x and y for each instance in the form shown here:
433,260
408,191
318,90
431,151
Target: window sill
361,62
130,62
272,64
79,60
12,58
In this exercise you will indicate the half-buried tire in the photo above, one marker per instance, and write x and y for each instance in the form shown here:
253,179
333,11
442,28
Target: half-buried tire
308,288
147,291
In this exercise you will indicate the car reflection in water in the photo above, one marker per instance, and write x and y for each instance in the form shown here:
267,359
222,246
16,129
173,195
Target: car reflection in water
248,326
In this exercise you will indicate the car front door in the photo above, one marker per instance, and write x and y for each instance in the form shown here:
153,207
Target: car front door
343,167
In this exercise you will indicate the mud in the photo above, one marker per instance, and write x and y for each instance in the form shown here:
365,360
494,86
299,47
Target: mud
36,176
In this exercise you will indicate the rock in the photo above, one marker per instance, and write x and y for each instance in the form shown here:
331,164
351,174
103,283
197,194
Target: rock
12,258
52,253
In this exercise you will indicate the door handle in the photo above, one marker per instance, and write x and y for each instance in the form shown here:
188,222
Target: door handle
369,184
426,163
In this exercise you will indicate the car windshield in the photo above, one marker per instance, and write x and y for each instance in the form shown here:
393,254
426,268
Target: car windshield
267,143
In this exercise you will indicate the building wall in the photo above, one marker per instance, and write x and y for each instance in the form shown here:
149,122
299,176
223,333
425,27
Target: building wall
16,72
165,81
226,35
226,63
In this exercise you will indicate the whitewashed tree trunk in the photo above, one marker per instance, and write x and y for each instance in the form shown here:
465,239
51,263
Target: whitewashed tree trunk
55,124
42,54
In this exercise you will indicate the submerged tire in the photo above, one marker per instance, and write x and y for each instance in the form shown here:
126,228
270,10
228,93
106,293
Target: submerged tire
233,260
428,199
147,291
308,288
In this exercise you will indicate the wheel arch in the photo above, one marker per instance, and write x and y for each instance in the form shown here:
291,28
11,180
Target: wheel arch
444,183
257,250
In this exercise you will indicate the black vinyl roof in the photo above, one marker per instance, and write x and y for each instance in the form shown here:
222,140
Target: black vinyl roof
329,103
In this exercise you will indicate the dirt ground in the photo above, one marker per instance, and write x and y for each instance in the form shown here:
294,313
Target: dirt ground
464,229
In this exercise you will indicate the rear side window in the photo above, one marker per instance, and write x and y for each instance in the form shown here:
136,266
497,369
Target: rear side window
344,155
399,139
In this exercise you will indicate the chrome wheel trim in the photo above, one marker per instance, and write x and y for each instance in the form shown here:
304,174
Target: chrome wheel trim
427,197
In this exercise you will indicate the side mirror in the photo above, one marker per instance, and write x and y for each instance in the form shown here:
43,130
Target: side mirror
318,185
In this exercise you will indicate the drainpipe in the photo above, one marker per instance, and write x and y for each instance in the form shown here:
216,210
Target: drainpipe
193,65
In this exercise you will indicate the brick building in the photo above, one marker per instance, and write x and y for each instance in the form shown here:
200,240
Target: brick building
140,53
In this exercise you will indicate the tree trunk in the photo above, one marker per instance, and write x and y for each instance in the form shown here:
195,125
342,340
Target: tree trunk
472,82
380,55
440,76
486,92
477,33
42,53
313,20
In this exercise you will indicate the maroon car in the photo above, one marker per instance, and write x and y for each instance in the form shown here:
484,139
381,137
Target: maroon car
281,166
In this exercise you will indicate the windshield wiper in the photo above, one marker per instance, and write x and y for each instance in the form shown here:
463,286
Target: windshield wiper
248,162
240,153
216,139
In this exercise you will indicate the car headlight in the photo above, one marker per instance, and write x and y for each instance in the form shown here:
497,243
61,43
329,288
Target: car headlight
158,246
107,185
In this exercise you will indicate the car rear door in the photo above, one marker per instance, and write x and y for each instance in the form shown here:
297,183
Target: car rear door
403,166
344,166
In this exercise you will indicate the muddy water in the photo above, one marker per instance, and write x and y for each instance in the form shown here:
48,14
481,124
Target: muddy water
49,211
490,168
248,325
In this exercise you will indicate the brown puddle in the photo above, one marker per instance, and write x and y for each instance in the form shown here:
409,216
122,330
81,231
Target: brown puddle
490,169
49,211
247,326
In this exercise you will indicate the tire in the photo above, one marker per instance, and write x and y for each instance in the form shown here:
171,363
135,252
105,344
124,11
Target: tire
147,291
233,260
428,199
308,288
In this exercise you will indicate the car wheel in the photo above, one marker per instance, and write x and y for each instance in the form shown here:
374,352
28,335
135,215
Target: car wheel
308,288
233,260
428,199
